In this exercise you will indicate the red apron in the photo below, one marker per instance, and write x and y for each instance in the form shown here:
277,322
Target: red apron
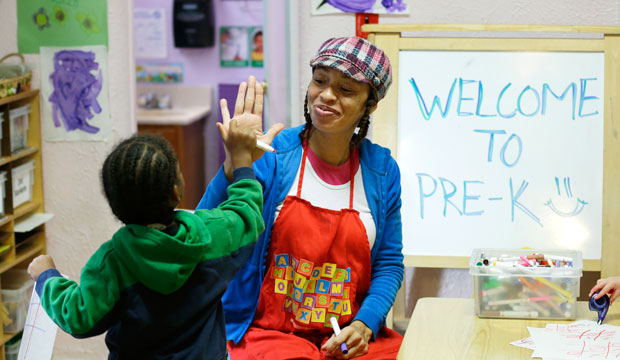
318,267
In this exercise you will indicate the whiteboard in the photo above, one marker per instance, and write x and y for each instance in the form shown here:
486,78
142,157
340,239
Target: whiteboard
500,149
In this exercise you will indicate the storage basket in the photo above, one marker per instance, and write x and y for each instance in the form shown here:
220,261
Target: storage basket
19,83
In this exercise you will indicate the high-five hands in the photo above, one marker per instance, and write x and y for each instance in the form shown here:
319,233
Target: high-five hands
248,113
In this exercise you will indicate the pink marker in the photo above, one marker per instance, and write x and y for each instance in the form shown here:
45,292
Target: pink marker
527,262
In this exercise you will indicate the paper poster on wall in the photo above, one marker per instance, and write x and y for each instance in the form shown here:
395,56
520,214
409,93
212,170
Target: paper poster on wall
149,27
256,45
61,23
74,93
159,72
394,7
234,46
501,149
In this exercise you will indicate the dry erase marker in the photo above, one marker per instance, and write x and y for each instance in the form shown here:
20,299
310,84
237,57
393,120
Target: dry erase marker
536,291
566,294
559,258
334,322
261,145
510,313
519,300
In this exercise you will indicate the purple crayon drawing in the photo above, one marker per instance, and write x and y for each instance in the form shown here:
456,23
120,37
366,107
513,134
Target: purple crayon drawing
74,99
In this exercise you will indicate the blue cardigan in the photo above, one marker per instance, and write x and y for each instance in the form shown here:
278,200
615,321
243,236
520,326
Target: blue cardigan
276,172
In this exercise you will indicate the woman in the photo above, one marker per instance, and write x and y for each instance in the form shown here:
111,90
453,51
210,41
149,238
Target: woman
332,246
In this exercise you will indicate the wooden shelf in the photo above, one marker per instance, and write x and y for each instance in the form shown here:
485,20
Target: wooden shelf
23,246
25,252
6,337
25,208
20,96
18,155
6,219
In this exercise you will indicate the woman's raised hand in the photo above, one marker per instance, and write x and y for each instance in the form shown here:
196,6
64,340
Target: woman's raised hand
248,113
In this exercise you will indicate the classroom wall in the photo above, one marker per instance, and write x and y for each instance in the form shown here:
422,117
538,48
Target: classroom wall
71,170
313,30
83,220
202,65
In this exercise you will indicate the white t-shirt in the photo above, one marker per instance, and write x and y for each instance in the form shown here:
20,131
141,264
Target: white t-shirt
334,197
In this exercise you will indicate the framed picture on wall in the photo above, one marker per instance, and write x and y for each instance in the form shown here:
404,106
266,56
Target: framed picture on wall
256,46
390,7
234,49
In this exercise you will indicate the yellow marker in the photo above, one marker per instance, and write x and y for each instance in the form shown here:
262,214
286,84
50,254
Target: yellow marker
564,293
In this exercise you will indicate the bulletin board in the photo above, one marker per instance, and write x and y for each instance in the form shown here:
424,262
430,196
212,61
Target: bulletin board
504,142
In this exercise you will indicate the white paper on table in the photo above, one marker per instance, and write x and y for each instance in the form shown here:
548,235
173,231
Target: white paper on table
580,340
39,332
533,334
527,343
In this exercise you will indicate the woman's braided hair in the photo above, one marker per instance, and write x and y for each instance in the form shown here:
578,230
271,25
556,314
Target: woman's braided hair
362,125
138,178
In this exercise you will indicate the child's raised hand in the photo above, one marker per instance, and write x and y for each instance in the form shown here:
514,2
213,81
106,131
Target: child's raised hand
39,265
248,109
248,113
610,285
241,144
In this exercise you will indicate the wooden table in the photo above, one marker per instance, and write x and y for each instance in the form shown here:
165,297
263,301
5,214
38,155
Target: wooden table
444,328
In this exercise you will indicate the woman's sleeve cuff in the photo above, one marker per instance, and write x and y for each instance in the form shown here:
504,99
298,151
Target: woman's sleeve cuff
371,320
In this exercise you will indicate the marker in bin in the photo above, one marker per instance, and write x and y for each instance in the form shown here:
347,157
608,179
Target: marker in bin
334,323
533,260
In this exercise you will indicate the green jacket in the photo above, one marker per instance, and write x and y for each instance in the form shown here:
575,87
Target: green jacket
159,295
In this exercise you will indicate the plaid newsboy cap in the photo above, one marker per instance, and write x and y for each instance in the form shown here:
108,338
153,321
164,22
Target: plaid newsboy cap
357,58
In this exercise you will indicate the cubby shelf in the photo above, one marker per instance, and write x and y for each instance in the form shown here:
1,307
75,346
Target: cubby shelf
31,244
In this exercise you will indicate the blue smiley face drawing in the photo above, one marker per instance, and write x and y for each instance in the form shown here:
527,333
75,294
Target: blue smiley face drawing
579,206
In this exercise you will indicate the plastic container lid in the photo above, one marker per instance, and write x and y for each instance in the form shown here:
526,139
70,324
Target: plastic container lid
22,110
507,268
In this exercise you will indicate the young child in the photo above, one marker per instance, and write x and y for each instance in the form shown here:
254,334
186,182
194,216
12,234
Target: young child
156,286
610,285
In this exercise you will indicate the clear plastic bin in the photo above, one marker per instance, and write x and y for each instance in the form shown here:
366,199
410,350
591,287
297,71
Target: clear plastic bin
11,348
2,191
16,291
505,287
1,121
23,180
19,127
